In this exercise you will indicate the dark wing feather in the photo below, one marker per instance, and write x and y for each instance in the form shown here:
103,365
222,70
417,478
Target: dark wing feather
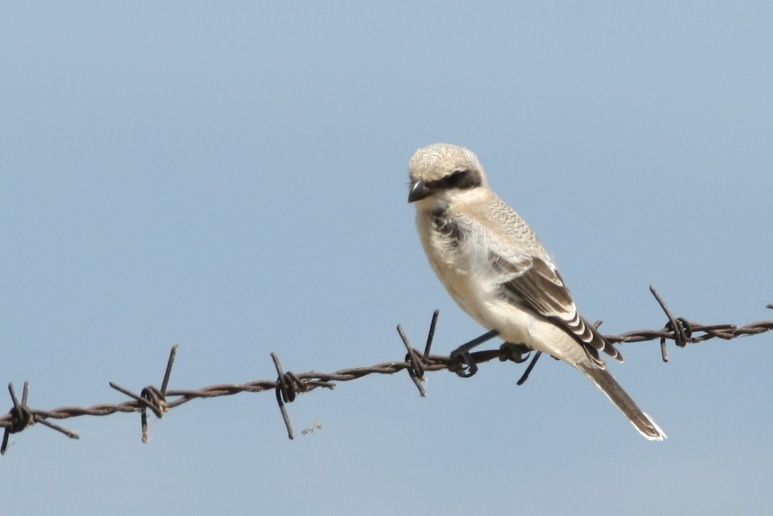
536,284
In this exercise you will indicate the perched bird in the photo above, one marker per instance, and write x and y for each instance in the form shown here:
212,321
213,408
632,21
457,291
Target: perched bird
497,270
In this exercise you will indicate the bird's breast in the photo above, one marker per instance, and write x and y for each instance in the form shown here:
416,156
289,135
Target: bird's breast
459,258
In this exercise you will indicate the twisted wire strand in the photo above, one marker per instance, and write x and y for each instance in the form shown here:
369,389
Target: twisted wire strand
288,385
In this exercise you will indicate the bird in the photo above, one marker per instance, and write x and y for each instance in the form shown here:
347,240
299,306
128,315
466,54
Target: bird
498,271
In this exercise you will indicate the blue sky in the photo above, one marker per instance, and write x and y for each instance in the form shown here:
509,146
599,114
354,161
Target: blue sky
232,178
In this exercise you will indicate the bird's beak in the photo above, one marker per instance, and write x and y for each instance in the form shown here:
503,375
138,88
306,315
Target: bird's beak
418,191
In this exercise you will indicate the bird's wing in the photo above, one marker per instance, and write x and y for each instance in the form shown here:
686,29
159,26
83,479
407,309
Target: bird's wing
531,279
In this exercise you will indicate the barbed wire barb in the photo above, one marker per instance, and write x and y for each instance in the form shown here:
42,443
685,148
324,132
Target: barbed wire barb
674,324
150,397
287,385
415,364
431,332
282,395
21,417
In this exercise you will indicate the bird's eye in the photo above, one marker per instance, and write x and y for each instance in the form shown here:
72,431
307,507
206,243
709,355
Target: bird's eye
462,179
458,179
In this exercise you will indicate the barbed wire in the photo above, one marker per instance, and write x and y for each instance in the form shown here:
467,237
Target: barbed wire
288,385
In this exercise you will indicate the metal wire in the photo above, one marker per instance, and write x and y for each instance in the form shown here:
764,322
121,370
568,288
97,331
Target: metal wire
288,385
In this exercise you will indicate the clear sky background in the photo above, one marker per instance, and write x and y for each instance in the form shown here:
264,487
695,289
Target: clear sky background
232,177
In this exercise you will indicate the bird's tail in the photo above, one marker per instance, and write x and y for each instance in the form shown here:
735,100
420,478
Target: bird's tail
609,386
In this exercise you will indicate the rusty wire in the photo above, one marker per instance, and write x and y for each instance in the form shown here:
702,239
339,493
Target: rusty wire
288,385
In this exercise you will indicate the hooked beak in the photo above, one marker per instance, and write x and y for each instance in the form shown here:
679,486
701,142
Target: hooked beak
419,191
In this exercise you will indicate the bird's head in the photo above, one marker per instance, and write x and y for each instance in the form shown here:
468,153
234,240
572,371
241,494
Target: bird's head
444,172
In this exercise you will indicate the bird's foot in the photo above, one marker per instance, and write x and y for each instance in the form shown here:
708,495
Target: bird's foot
463,364
517,353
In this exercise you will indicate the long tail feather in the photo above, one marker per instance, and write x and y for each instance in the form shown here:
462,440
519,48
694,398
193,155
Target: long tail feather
609,386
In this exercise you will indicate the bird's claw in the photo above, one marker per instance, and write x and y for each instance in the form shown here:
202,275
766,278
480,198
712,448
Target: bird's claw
462,362
518,353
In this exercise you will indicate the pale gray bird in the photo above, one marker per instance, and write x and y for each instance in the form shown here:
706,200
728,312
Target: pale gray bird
497,270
